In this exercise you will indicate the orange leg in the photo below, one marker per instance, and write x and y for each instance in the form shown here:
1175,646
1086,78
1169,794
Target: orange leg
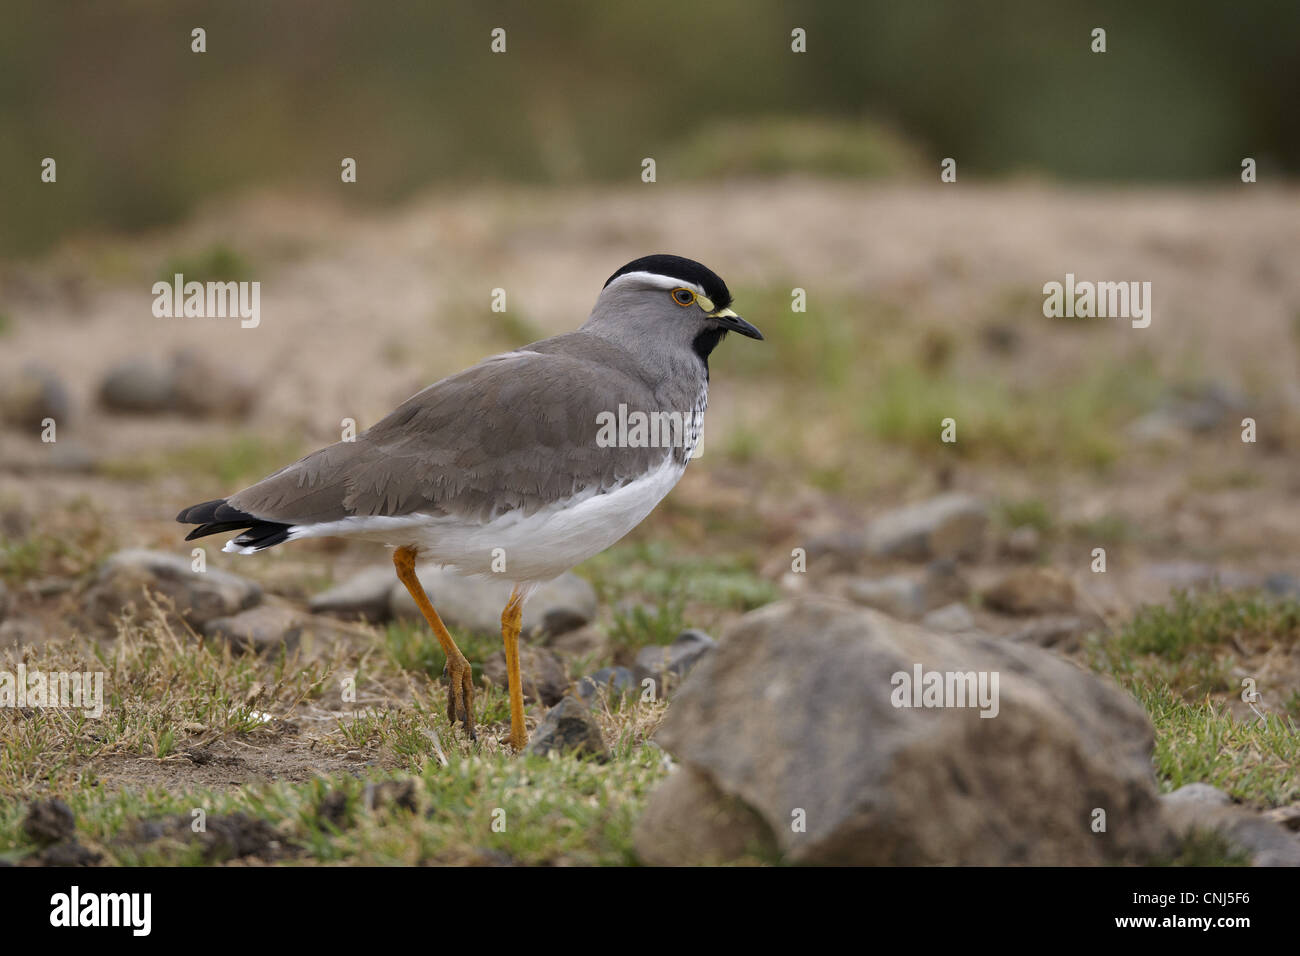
460,690
511,625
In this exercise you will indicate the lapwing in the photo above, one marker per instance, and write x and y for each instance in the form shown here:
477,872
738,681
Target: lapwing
512,463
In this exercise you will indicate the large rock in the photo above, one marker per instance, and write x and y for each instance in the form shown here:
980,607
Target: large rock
541,673
475,603
794,714
199,596
949,526
364,596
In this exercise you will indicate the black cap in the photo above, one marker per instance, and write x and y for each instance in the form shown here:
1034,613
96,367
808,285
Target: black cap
687,270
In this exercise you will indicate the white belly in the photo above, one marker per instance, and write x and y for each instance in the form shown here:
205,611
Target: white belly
534,547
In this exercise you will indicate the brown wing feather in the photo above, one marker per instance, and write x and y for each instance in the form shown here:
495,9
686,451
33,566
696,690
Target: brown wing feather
516,431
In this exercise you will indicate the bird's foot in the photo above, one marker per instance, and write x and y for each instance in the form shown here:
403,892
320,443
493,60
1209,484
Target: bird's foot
460,693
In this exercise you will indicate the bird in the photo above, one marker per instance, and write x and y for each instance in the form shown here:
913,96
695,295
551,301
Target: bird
522,465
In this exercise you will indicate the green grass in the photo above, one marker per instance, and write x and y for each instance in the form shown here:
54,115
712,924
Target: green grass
215,263
528,810
776,145
70,542
1193,643
1200,741
1031,512
682,588
1178,661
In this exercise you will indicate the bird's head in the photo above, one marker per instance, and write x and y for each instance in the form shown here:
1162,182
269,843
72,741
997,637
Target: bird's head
665,302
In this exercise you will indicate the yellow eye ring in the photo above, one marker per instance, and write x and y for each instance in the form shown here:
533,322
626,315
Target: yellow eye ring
683,297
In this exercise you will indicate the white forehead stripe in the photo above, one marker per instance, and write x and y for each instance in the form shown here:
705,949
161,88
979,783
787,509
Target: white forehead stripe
659,281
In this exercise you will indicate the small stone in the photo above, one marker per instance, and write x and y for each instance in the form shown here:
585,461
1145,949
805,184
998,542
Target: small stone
541,673
1197,793
678,657
1060,632
838,551
268,625
363,597
616,681
49,821
569,727
138,386
949,526
898,595
199,596
1264,842
1288,816
32,395
68,853
584,642
951,617
1031,591
1023,544
206,389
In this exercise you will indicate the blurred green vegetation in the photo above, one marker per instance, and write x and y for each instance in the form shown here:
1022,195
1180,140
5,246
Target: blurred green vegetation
143,129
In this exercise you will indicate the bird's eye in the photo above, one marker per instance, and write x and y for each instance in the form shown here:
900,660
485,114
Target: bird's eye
683,296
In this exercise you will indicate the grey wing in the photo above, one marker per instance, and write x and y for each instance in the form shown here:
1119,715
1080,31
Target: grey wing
515,432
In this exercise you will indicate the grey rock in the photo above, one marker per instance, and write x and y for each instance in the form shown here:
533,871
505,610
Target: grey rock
909,596
71,457
1031,591
364,596
139,386
206,389
951,525
1288,816
49,821
795,712
541,673
199,596
569,728
1023,543
30,396
1263,841
475,603
721,830
584,642
1197,793
1282,584
950,617
677,659
616,681
269,624
1060,632
838,551
899,595
18,631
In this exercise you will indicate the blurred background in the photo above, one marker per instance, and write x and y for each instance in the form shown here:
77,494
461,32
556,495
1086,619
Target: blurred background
413,92
891,302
